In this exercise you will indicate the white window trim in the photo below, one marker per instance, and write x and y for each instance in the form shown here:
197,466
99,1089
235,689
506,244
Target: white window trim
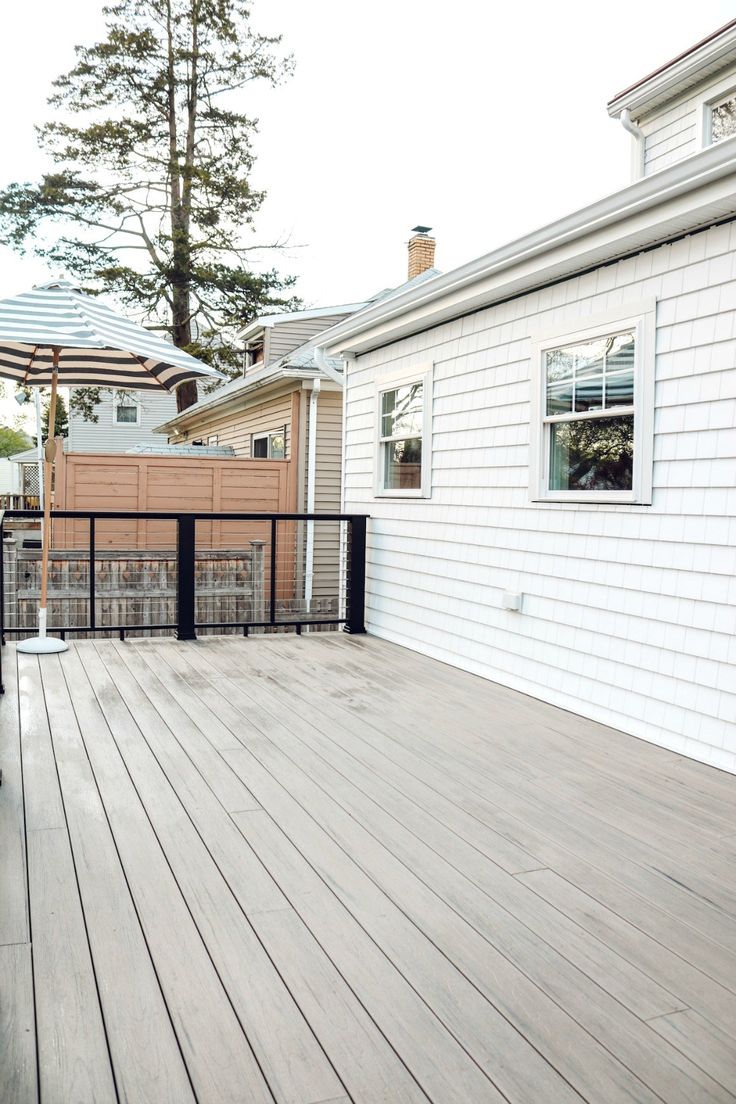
419,373
717,94
641,318
281,432
116,402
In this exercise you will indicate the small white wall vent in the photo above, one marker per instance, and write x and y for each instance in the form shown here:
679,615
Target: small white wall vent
512,601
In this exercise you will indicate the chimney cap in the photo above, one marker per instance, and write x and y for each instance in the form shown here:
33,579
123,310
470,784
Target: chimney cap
420,229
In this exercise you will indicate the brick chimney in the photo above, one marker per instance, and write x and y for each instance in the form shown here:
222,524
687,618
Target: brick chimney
421,251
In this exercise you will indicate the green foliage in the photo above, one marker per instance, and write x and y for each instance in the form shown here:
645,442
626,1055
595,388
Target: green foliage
150,196
13,440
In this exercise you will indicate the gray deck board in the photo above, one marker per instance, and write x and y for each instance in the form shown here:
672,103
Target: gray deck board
13,880
522,1001
326,870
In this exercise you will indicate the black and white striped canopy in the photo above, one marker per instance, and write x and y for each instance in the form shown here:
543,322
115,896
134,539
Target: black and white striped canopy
99,348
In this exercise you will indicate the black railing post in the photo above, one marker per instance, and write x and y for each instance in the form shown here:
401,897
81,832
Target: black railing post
92,598
185,577
355,580
272,615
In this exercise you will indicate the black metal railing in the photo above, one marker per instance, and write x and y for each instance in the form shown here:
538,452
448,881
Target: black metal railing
279,595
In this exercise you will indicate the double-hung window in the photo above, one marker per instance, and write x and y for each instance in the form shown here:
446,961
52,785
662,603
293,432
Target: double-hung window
592,413
404,418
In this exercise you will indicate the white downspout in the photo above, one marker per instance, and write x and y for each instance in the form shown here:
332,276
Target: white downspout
311,481
638,134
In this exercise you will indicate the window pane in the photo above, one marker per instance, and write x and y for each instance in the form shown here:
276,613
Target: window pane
401,411
620,389
278,446
595,454
559,398
402,465
621,353
723,120
589,394
560,364
260,448
126,414
589,357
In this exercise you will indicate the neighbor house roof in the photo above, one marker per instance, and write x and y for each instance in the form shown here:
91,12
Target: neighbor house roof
267,320
689,195
680,73
298,364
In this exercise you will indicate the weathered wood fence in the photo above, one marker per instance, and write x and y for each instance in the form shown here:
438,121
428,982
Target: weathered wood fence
132,588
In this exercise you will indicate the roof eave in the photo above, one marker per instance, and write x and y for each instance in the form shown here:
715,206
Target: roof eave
694,192
684,71
222,402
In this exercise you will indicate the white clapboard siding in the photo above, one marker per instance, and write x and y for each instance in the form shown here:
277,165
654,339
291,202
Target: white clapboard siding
629,611
287,336
105,435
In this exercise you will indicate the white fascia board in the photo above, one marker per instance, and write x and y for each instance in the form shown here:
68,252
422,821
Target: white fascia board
677,76
691,194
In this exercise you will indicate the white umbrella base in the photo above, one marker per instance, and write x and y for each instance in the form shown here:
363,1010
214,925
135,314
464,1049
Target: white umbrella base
42,645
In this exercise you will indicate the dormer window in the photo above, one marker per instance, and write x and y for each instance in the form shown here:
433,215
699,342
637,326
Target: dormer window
254,354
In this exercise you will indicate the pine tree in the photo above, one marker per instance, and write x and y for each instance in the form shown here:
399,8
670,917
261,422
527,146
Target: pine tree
150,196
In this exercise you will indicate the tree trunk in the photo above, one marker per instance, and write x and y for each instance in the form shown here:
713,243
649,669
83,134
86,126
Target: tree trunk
180,229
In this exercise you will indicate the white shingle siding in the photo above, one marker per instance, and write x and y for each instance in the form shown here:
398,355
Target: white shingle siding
675,130
629,611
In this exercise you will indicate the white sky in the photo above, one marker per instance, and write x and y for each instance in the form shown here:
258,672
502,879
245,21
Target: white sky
480,118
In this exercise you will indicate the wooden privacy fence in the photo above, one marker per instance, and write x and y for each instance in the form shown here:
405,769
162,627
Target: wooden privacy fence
101,481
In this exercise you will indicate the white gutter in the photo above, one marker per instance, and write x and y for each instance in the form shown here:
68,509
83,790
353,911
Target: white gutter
311,481
638,135
710,172
320,359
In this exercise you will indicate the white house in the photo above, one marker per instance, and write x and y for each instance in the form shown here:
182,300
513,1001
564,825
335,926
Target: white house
125,419
544,440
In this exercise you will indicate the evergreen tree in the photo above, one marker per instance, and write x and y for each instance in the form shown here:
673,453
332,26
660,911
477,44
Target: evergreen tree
150,194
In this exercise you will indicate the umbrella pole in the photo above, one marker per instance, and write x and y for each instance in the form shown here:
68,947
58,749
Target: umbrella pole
42,642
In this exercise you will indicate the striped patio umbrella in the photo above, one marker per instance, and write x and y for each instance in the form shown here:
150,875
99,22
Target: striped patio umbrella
55,335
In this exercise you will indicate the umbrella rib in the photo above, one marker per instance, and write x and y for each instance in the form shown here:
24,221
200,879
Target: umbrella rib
30,364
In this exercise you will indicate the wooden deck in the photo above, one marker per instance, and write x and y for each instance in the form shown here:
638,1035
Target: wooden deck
324,869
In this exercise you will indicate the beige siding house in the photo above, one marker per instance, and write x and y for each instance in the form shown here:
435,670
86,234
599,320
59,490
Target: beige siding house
288,405
272,412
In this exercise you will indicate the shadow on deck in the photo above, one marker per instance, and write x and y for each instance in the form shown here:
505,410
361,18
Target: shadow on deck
325,869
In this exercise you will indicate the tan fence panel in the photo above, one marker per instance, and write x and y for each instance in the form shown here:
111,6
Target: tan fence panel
98,481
